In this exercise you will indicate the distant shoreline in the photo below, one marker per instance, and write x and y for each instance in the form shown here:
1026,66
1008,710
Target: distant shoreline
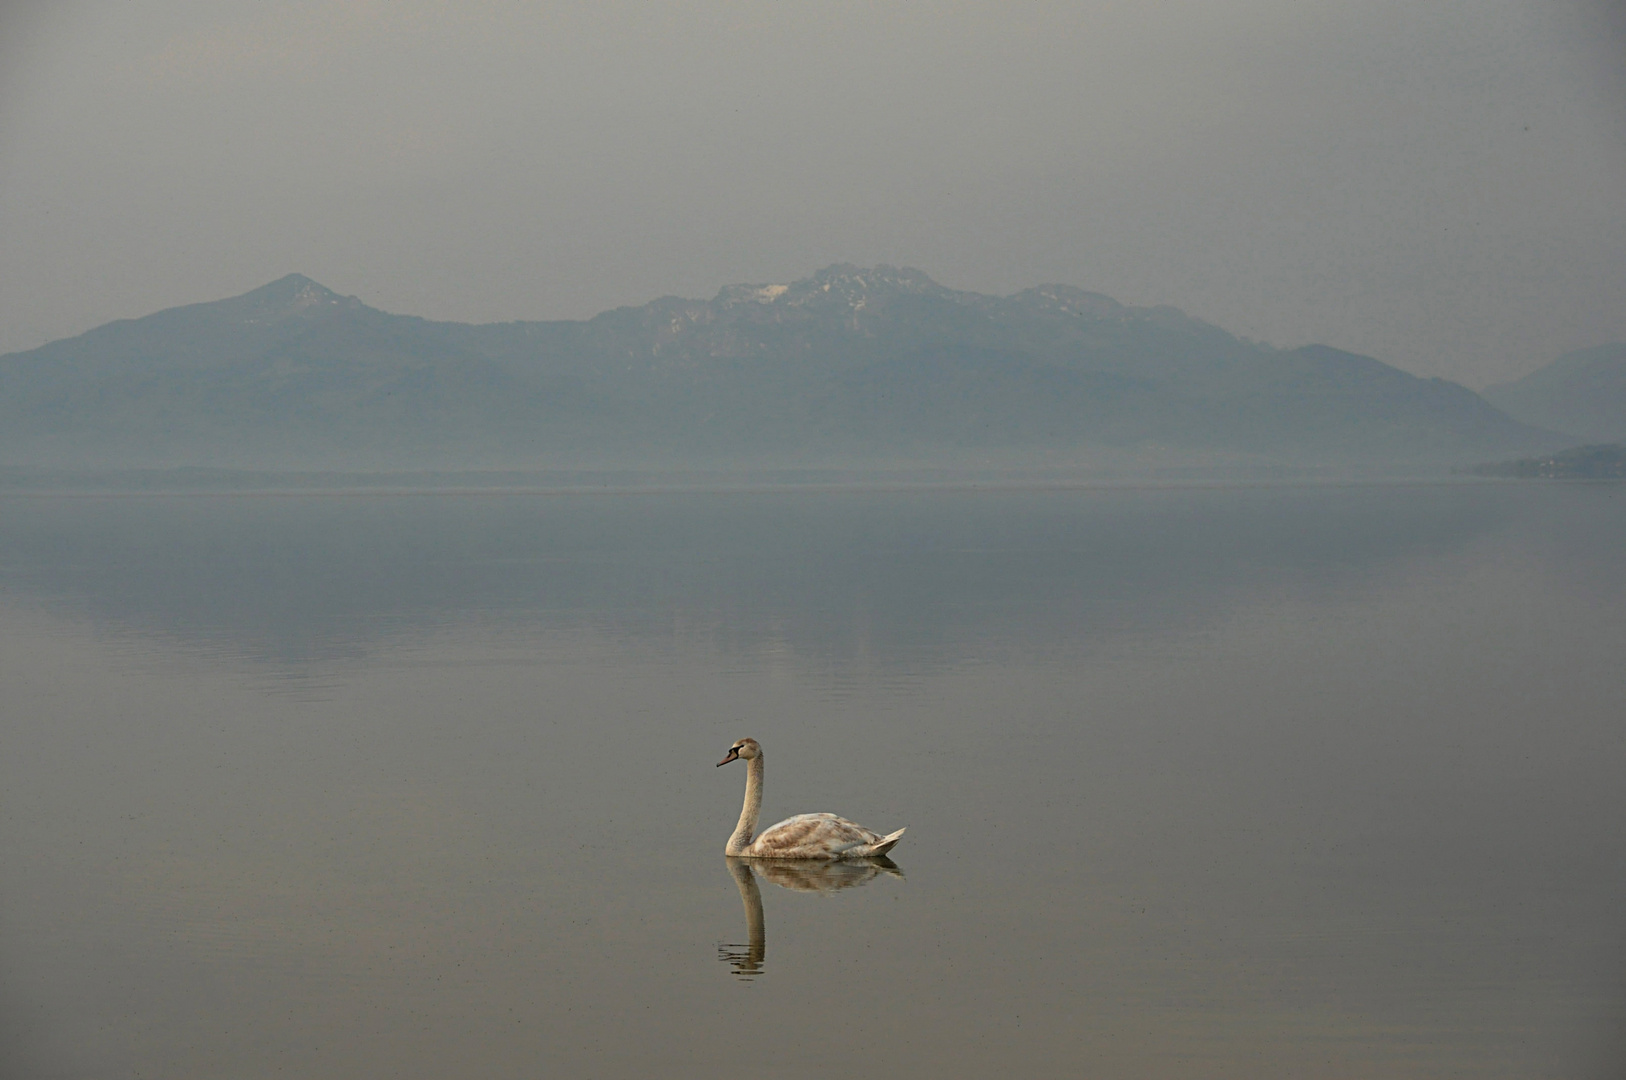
1600,461
190,482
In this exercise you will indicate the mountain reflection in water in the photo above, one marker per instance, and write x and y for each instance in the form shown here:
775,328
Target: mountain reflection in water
798,875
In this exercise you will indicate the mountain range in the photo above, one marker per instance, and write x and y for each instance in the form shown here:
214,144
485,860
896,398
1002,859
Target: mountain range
848,366
1582,393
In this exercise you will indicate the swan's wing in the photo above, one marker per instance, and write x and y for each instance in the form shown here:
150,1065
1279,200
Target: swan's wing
812,836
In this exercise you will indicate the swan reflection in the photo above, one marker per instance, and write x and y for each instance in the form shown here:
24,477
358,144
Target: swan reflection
799,875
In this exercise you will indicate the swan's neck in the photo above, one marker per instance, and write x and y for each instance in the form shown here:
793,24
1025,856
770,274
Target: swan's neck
753,807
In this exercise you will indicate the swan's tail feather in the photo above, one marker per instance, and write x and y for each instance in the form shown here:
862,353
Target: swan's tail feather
884,844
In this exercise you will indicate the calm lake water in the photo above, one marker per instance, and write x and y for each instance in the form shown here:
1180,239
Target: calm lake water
1269,782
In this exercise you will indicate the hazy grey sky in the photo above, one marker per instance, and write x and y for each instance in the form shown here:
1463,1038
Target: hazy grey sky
1439,183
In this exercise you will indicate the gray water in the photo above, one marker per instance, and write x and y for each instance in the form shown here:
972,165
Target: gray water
1318,782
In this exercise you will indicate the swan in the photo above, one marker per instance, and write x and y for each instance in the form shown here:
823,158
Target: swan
805,836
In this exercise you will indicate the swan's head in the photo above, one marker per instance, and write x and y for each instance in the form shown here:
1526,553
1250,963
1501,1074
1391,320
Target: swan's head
745,748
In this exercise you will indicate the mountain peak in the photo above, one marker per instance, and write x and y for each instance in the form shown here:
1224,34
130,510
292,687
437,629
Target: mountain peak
845,284
751,294
1068,300
294,296
293,291
848,277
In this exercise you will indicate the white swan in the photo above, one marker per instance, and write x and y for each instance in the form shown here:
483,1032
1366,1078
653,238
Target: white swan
805,836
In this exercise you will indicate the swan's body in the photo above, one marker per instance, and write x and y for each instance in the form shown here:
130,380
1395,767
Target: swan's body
805,836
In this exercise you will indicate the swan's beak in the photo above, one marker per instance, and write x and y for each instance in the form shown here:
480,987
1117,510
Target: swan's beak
733,755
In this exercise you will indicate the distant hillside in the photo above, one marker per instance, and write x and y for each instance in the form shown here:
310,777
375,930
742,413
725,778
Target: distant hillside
849,365
1581,393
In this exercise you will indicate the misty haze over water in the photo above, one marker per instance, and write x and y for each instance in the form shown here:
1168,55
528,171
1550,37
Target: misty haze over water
1199,782
1071,430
